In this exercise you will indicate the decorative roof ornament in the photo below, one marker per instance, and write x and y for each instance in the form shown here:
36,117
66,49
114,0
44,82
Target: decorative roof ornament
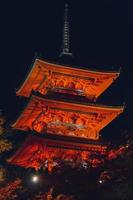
66,34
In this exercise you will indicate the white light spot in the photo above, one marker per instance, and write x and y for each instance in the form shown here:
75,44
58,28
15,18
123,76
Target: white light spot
35,179
100,181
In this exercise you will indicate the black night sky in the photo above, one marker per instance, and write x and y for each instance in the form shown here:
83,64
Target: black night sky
101,37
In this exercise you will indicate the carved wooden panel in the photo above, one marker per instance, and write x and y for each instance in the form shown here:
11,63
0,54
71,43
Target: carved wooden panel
46,77
69,119
38,152
66,123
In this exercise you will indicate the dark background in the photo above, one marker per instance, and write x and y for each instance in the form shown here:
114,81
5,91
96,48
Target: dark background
101,37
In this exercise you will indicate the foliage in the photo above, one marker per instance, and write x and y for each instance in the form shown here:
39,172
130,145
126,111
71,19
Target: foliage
48,196
64,197
2,122
117,179
2,174
119,191
10,191
5,145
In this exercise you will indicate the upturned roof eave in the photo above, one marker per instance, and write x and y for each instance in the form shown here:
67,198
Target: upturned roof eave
38,95
82,68
37,59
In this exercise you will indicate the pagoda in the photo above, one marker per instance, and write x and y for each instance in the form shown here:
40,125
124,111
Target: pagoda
62,120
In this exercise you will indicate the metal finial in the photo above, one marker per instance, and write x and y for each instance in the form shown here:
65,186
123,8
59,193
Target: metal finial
66,36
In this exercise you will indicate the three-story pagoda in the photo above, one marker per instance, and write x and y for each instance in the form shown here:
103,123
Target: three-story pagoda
61,123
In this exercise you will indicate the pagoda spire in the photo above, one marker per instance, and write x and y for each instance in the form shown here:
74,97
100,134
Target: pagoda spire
66,34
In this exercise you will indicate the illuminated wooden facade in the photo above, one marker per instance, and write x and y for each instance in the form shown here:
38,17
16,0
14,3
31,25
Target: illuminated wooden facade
46,76
63,117
46,153
49,116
